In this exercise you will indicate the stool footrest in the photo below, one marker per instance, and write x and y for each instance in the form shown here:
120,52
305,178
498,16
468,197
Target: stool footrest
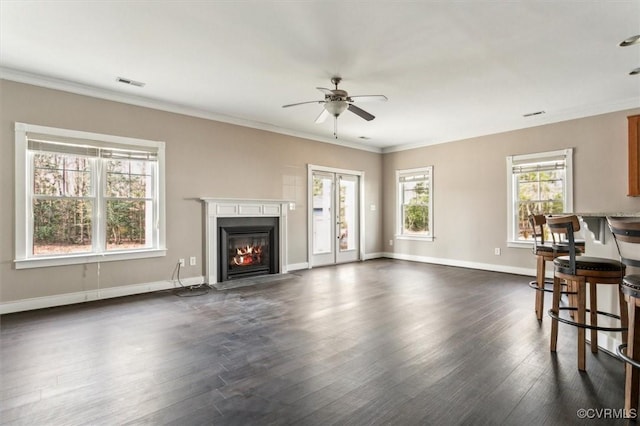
534,285
620,351
583,325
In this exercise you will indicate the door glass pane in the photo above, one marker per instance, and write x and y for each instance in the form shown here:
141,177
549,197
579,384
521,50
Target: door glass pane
348,215
322,215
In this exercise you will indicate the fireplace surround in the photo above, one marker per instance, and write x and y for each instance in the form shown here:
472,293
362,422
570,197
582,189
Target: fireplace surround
251,223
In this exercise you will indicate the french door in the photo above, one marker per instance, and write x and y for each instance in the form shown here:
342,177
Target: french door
334,217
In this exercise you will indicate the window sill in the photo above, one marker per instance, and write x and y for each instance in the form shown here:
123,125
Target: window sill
520,244
77,259
414,237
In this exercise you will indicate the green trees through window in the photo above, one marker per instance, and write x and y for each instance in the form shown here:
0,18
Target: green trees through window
85,197
65,201
416,208
415,202
62,204
538,193
128,190
538,183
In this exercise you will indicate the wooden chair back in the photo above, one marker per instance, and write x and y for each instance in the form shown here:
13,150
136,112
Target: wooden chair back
562,231
536,223
626,233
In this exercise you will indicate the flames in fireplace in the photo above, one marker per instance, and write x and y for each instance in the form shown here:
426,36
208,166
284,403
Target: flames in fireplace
247,256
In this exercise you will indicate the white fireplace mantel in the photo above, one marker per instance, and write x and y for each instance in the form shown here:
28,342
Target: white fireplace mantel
230,207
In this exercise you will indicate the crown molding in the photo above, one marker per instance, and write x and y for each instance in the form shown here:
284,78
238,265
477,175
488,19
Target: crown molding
111,95
536,121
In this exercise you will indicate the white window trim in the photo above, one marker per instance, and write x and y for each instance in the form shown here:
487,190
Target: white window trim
23,259
413,237
568,189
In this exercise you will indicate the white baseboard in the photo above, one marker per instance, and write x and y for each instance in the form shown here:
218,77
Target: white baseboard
91,295
463,264
377,255
608,343
297,266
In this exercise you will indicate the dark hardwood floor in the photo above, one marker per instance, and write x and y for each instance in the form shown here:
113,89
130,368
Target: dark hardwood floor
379,342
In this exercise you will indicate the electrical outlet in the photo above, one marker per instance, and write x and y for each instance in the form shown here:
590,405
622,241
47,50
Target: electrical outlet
496,251
391,242
181,261
192,261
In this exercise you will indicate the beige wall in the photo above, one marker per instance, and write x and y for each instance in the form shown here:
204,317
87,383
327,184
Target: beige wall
212,159
470,186
204,159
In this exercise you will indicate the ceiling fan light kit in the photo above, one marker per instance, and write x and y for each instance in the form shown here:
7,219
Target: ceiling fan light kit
336,101
335,108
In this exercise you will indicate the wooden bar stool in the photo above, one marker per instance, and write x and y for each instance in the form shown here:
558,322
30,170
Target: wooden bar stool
545,251
578,273
627,236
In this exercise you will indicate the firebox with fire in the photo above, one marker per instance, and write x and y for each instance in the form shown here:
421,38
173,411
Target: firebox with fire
247,256
247,247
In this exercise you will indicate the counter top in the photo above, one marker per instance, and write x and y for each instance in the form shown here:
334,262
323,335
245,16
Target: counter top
591,214
597,222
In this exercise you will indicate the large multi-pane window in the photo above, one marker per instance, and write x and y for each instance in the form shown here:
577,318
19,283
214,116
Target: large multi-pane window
81,195
415,203
540,183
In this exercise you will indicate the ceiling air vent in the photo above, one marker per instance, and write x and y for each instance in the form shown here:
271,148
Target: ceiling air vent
531,114
129,82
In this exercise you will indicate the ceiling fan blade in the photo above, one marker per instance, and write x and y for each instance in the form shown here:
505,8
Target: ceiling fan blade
367,98
360,112
325,90
302,103
323,116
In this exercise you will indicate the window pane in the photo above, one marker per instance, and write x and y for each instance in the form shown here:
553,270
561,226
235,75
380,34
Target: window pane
551,186
128,179
415,192
323,220
528,190
415,219
415,202
127,224
61,226
61,175
347,210
538,193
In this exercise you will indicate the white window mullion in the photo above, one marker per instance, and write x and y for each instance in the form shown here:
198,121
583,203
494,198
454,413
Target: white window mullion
152,217
99,212
29,204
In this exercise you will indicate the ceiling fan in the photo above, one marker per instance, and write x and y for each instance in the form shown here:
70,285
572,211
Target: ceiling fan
336,101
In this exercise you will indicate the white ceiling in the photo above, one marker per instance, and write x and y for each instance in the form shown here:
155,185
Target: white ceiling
451,69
